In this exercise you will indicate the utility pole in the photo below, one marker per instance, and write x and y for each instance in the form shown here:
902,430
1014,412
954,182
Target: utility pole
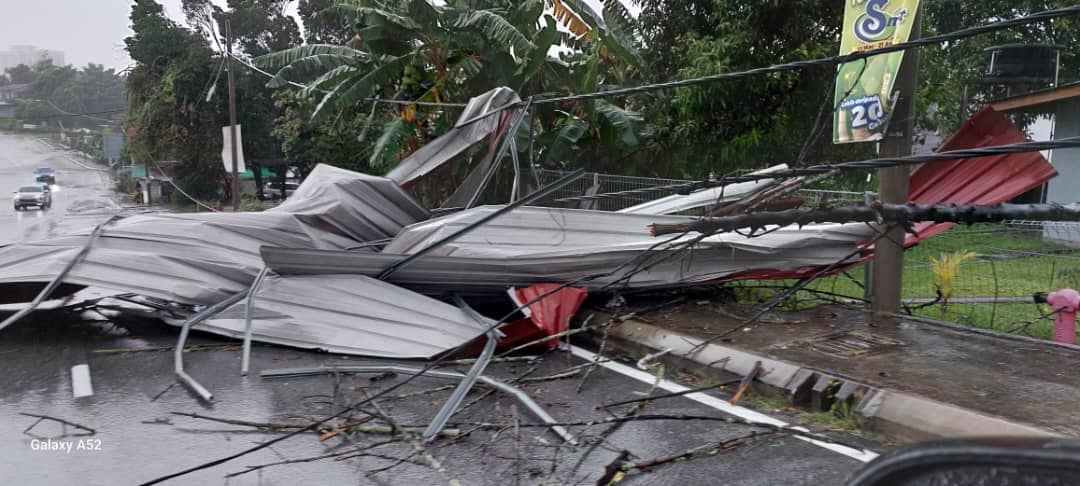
232,120
888,266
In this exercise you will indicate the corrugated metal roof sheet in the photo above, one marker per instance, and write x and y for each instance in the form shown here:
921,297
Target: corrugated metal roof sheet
985,180
349,314
200,258
458,139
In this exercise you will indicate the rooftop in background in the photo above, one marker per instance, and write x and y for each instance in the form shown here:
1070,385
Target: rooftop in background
1037,98
28,55
13,91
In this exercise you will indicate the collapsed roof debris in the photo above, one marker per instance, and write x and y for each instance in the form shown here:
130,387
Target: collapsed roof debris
541,245
482,117
201,258
367,317
329,286
716,196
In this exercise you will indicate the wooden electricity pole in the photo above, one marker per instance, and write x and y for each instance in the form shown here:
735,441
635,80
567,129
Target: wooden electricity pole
888,265
232,121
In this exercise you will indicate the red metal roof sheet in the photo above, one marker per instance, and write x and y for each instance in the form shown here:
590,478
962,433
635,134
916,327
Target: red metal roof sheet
983,180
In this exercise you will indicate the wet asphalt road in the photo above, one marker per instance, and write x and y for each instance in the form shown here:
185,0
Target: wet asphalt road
138,439
77,188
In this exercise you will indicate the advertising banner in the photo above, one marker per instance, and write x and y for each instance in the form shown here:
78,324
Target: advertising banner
864,88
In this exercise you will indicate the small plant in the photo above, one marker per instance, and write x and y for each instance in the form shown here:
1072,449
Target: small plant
945,270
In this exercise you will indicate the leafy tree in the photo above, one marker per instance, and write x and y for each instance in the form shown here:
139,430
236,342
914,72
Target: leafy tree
322,30
21,74
946,72
58,91
178,85
330,142
414,50
742,124
168,117
734,125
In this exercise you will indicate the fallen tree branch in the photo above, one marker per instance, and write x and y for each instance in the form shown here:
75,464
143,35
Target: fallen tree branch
269,426
669,395
709,449
54,419
879,213
746,382
193,347
339,455
795,431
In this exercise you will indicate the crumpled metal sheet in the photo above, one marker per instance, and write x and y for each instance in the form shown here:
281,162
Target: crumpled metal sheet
200,258
458,139
543,232
713,196
349,314
182,280
539,245
985,180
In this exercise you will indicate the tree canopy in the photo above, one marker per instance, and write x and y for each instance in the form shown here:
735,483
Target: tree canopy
72,97
316,105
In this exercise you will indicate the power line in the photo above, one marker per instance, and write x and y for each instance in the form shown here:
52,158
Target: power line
1015,148
790,66
828,61
61,110
369,100
876,213
69,115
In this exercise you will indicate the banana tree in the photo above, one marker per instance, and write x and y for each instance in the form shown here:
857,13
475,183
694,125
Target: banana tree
415,50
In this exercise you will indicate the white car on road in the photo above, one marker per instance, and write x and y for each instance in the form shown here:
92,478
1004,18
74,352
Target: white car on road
39,196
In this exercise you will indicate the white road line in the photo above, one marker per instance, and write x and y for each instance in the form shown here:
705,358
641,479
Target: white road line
68,157
723,406
80,164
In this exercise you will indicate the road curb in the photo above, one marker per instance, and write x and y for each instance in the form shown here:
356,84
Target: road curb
899,415
64,149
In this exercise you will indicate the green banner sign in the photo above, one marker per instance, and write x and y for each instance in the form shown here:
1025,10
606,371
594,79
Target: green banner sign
864,88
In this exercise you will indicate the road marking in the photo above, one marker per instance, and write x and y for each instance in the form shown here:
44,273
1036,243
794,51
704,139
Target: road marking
68,157
861,455
80,164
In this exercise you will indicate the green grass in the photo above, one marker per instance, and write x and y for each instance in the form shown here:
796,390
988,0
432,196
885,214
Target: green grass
1012,263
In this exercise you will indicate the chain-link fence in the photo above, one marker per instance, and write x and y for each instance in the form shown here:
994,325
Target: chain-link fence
986,275
595,183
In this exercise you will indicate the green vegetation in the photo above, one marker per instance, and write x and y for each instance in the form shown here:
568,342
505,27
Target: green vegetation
55,92
421,50
1011,263
418,51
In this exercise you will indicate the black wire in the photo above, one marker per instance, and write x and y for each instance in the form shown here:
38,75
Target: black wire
71,115
827,61
790,66
1015,148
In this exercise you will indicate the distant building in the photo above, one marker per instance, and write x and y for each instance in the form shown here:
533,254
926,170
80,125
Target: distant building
7,109
1063,103
28,55
13,92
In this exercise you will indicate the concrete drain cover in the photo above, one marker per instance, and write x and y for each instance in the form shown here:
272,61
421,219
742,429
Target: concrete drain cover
850,344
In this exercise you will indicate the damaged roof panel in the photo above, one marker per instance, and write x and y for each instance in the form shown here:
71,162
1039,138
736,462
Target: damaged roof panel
985,180
478,267
349,314
199,258
465,134
714,196
536,231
